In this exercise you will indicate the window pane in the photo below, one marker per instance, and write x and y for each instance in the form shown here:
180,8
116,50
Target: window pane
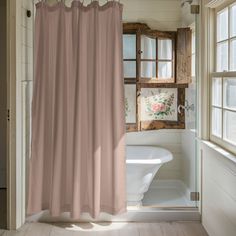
193,42
222,56
233,55
129,69
216,121
217,92
148,69
129,46
130,103
148,47
233,21
164,70
193,65
230,93
164,49
222,25
230,126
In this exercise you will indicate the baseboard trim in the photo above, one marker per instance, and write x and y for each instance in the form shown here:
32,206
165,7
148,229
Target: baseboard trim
140,215
135,214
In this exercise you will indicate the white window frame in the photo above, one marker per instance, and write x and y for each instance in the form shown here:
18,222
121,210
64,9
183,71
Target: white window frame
226,74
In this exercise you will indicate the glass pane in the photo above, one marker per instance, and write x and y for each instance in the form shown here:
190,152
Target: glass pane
164,70
222,56
233,55
130,103
164,49
233,21
217,92
222,25
193,65
230,126
129,69
216,121
148,69
230,93
148,47
129,46
193,42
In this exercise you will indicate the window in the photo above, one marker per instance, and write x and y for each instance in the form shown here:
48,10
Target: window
129,56
193,59
153,91
157,58
223,80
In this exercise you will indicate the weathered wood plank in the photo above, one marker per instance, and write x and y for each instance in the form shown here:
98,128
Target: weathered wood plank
184,56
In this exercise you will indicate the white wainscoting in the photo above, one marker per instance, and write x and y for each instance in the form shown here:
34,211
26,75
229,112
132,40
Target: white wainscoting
218,190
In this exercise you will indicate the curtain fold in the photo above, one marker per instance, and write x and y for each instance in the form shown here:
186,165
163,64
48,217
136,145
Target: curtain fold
78,125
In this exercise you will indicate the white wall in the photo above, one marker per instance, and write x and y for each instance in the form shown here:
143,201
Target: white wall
26,71
158,14
3,96
26,77
218,191
186,17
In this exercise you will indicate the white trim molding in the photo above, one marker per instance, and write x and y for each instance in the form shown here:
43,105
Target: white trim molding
15,162
215,3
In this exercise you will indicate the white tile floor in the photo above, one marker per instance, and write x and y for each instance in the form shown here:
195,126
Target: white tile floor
168,197
110,229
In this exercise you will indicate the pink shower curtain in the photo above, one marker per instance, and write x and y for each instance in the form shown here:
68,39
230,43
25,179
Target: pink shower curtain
78,125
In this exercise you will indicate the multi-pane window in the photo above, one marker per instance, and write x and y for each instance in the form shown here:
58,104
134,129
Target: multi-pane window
146,57
223,80
129,55
153,91
193,60
226,39
157,58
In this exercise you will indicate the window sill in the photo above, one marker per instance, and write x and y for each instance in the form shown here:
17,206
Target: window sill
223,152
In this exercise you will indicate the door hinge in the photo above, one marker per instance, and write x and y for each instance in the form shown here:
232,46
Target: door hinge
8,114
195,9
194,196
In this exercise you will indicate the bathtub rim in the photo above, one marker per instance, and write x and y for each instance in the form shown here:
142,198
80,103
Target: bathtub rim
156,160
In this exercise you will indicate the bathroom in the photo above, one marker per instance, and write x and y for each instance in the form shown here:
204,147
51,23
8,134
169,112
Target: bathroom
165,111
176,180
172,181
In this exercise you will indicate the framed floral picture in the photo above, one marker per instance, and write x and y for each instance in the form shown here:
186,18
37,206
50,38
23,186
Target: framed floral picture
159,104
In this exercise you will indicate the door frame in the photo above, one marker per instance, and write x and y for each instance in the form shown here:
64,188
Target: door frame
15,159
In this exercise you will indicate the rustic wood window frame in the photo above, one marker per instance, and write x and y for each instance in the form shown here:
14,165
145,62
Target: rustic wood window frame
158,35
142,29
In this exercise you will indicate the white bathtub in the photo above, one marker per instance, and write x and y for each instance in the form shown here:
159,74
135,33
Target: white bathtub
142,164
